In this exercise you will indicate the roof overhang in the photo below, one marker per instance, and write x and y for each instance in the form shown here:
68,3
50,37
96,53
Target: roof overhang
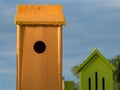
39,15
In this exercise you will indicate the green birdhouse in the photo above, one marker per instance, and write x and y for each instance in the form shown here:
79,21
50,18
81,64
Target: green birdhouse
96,73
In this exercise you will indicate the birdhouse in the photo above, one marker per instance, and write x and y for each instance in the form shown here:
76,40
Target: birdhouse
95,73
39,47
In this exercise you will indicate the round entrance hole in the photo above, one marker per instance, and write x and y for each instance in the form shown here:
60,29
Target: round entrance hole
39,47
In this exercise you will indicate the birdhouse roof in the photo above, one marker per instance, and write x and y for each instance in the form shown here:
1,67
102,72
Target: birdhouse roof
39,15
86,61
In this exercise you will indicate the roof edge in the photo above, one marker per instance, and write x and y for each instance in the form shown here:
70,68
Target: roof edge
38,23
39,14
95,51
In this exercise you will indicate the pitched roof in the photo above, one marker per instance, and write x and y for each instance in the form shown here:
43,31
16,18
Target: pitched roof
39,15
95,52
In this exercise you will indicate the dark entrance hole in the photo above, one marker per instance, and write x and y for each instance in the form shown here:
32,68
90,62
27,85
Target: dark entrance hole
39,47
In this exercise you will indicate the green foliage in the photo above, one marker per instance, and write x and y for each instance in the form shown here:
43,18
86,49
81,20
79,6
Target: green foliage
73,71
116,62
69,85
117,86
76,84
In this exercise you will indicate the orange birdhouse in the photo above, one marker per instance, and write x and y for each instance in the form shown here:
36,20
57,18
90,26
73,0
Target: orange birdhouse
39,47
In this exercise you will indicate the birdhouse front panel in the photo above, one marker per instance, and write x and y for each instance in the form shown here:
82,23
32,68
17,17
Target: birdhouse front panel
96,73
41,58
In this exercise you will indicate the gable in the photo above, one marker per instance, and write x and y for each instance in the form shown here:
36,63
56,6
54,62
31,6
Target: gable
96,64
94,56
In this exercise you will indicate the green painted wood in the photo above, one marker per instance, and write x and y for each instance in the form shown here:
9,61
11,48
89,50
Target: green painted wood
69,85
93,70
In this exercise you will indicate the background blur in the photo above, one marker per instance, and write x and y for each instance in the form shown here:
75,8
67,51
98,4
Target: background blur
90,24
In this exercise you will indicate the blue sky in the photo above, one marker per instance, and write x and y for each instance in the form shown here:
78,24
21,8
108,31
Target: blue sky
90,24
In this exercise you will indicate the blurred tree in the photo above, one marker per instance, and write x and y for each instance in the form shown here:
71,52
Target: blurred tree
73,71
76,84
116,62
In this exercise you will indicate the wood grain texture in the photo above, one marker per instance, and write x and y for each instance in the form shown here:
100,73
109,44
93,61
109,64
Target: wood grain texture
39,71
